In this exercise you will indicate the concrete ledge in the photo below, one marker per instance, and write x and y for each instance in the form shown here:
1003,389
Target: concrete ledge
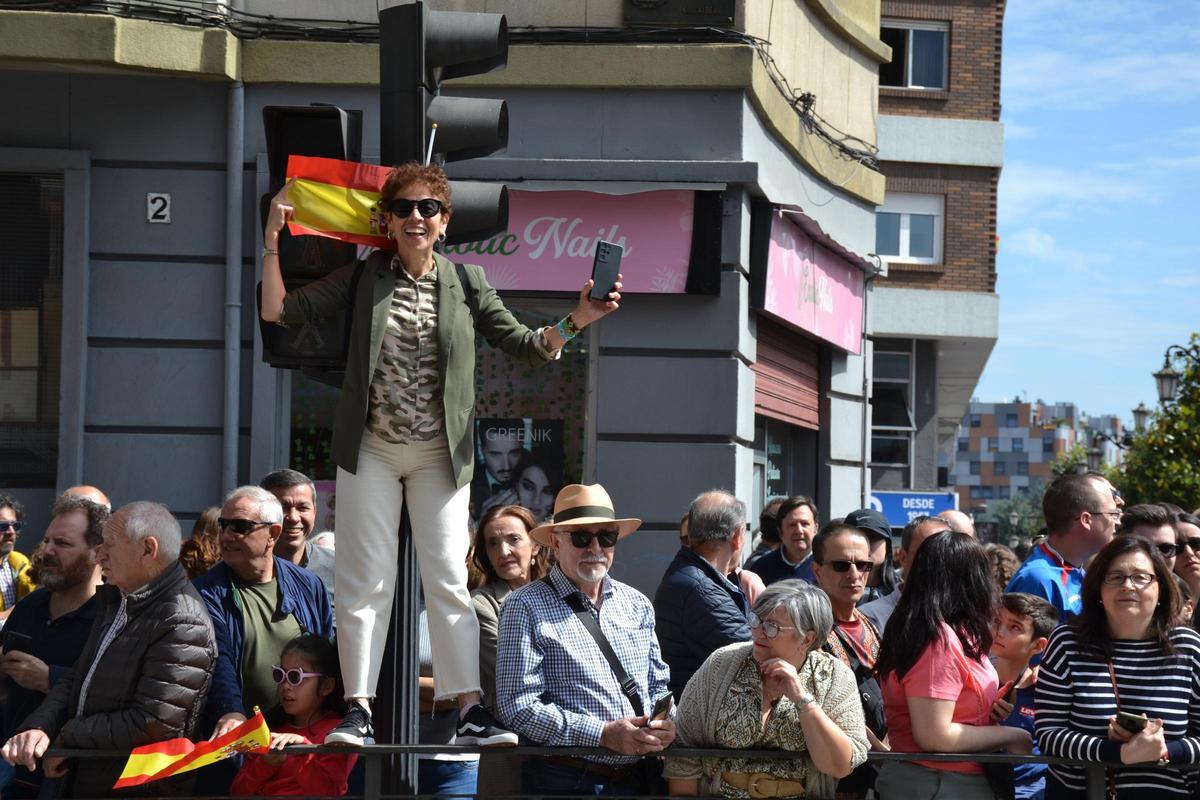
863,39
938,140
321,63
934,314
36,38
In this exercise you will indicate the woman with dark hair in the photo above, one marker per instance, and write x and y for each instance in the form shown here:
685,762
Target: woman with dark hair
402,430
200,551
938,684
1187,543
536,481
1122,655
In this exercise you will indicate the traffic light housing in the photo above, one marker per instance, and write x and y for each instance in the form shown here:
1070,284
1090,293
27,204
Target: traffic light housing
319,348
419,48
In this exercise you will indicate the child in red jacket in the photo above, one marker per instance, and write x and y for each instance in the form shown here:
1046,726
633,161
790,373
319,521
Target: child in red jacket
310,705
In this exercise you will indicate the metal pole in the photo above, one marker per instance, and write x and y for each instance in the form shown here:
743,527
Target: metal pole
234,126
1097,782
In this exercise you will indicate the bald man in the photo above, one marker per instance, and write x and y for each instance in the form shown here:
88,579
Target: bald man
90,493
958,521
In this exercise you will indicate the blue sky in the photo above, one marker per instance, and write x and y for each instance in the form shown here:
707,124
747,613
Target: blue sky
1099,261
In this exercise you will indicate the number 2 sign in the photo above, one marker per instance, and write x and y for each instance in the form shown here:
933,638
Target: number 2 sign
158,207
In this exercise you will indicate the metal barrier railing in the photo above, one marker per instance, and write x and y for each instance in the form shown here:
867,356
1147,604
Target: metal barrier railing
374,756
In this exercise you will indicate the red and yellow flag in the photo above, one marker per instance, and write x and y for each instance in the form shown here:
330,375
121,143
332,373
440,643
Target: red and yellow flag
338,199
164,759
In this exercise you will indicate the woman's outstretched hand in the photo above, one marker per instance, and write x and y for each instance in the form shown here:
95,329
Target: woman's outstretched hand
589,310
281,214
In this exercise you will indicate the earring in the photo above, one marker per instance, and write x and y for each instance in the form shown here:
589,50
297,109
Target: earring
442,238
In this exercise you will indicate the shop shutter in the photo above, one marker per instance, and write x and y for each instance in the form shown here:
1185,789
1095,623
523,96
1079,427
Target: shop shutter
786,375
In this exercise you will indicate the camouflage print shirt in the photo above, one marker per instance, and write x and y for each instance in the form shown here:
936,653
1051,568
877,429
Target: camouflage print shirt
406,387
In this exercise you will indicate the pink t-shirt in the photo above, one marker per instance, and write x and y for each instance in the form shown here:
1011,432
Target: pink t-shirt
942,672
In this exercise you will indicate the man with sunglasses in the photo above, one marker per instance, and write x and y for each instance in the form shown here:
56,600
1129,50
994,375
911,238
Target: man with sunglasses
1082,515
258,603
554,684
842,565
14,566
1156,523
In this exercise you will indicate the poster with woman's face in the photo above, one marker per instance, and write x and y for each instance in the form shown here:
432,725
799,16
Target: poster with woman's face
518,461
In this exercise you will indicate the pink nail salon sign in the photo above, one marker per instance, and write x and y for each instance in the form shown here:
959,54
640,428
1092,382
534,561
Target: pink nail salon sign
552,237
813,288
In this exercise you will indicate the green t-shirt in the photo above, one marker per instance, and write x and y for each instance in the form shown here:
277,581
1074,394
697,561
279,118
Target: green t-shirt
267,630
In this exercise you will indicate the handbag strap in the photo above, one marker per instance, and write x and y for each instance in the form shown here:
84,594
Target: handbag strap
469,291
1112,676
628,685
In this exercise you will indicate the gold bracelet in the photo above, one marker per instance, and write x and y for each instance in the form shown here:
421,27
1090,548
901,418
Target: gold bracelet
269,252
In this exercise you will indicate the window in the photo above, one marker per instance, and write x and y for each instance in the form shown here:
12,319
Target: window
1048,444
31,275
974,467
1022,467
976,492
993,444
919,54
908,228
964,445
892,422
1018,445
1000,468
988,492
1005,493
1010,420
976,420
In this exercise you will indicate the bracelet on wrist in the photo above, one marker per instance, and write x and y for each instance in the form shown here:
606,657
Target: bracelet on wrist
269,252
566,328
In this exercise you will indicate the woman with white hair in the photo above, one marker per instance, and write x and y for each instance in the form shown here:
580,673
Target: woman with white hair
777,692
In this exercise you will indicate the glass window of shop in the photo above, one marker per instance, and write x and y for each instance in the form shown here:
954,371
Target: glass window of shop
31,264
892,421
785,458
531,423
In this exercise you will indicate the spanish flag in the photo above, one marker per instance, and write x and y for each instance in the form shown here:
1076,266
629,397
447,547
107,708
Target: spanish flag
338,199
164,759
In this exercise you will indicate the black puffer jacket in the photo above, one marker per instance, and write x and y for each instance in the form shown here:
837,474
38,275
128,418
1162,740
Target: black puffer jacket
149,686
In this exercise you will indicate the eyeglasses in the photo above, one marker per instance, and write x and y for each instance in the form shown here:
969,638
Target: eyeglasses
583,539
1193,543
426,207
1139,580
840,565
293,676
10,525
1116,515
240,527
770,627
1169,550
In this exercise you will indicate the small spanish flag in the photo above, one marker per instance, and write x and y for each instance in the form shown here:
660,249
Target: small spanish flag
164,759
338,199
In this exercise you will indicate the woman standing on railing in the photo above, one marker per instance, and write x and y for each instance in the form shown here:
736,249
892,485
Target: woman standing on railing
779,692
938,684
1122,653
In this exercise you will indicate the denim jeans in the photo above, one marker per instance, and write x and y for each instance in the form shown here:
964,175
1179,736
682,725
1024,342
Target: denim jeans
447,778
559,780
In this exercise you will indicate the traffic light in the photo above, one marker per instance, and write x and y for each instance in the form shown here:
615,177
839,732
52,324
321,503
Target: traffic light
419,48
319,349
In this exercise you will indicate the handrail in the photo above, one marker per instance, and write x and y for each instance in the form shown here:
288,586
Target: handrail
372,756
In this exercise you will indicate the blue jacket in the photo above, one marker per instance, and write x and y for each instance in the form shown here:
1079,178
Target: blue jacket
771,568
304,596
697,610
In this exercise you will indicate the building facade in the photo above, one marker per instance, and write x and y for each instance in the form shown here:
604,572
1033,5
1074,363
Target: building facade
134,162
935,318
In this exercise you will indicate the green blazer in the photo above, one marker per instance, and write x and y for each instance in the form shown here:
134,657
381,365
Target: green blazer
456,342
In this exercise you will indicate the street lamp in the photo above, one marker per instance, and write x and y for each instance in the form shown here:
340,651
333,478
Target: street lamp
1140,415
1167,378
1014,519
1093,457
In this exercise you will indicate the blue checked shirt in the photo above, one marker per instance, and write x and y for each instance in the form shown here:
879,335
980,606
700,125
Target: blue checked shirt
553,685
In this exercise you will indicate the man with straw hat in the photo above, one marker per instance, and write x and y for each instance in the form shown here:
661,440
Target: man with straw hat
555,684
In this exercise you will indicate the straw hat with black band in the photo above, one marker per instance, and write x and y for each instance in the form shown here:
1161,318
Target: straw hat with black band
578,506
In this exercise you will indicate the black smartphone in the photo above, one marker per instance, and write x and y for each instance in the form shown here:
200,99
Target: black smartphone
662,707
605,265
1134,723
15,641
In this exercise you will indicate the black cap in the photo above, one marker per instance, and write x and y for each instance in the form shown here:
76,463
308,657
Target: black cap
870,522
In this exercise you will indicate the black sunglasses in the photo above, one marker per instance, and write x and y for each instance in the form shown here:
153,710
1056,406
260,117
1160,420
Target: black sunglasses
1193,543
840,565
10,525
583,539
241,527
1170,550
426,207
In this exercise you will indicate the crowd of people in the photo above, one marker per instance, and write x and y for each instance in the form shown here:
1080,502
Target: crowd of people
119,632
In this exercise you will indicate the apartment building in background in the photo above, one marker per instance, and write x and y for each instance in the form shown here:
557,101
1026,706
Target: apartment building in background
935,313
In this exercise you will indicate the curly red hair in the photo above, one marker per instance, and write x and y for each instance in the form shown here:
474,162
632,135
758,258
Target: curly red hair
407,174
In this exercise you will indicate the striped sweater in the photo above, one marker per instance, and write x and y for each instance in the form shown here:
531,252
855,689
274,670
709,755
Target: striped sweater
1075,700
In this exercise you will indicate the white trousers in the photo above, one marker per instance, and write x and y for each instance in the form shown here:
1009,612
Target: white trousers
368,545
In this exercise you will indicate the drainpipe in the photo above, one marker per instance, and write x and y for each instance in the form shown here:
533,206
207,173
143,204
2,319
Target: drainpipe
864,478
235,119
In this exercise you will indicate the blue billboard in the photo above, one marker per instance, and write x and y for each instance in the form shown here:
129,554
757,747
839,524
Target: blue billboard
900,507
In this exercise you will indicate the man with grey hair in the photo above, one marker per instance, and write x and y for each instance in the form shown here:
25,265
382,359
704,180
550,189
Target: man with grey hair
297,495
145,671
698,609
258,603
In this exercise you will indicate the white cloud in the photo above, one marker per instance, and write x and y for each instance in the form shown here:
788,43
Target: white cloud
1043,191
1015,130
1031,242
1036,244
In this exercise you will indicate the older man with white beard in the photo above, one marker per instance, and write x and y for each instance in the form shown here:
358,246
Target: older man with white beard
554,683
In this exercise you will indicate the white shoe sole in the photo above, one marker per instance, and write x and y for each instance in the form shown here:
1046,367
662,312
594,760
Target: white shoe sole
506,739
336,739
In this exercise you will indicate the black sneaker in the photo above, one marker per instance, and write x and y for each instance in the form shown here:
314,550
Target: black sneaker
479,728
355,729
